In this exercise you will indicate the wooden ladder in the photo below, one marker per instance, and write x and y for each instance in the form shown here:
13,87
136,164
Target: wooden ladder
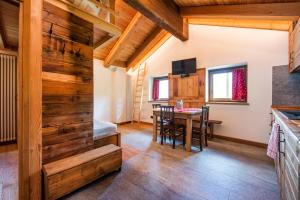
139,93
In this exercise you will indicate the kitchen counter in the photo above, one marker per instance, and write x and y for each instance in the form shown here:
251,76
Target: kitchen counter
292,126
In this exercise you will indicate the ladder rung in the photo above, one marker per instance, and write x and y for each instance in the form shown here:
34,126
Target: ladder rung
139,97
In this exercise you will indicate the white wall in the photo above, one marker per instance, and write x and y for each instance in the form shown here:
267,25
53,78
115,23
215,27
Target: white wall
215,46
112,93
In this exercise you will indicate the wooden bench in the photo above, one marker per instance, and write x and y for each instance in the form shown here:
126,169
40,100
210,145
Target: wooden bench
66,175
211,124
114,138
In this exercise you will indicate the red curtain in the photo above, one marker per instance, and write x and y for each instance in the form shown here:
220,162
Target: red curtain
239,85
155,90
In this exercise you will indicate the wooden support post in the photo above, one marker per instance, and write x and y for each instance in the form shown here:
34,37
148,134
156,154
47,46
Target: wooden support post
112,18
30,99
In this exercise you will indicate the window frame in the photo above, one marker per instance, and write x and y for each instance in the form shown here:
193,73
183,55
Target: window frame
161,78
224,70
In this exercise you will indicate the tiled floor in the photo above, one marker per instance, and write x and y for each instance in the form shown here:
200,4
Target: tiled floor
9,174
224,170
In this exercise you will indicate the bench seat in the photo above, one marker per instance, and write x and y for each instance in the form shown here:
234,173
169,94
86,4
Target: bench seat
66,175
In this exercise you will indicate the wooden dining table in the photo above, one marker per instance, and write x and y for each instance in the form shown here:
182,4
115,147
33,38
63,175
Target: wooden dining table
186,114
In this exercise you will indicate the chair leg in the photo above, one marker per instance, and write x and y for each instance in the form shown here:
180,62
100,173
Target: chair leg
174,138
205,138
161,137
200,142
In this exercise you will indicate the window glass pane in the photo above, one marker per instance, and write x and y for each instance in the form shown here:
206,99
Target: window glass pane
222,85
229,85
163,89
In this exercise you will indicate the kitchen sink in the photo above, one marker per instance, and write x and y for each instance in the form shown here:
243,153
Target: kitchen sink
291,114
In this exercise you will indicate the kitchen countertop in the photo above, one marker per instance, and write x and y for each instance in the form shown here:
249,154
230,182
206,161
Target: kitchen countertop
293,126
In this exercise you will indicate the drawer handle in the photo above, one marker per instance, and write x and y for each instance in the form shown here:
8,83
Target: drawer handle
282,140
283,153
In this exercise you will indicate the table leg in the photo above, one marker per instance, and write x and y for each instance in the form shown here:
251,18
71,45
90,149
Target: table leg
189,124
154,132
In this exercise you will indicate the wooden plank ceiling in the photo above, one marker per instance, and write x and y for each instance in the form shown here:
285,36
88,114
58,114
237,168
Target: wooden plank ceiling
183,3
142,29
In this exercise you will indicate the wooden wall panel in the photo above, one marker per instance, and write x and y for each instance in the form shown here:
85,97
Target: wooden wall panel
67,84
294,49
190,89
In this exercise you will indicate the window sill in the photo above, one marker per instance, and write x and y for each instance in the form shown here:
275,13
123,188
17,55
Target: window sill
229,103
159,101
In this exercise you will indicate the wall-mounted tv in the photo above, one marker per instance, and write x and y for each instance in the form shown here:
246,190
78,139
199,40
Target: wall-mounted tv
187,66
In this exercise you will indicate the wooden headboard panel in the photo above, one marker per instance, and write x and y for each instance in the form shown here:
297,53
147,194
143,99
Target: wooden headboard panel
67,84
190,89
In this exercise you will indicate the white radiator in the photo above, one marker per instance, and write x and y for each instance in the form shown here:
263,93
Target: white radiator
8,87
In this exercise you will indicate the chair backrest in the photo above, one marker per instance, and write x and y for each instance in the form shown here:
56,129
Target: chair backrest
156,106
205,115
167,113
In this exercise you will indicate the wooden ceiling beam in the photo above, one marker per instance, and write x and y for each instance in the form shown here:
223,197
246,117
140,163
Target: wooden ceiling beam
3,38
279,11
110,58
155,40
280,25
2,46
165,14
103,6
98,22
103,42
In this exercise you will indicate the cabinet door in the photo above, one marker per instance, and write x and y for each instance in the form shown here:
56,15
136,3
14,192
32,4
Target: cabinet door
190,89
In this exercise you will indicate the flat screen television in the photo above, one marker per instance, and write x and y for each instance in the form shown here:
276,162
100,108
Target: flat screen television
187,66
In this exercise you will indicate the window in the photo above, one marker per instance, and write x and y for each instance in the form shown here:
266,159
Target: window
228,84
160,89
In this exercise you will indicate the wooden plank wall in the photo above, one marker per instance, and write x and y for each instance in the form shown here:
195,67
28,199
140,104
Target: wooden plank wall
190,89
67,84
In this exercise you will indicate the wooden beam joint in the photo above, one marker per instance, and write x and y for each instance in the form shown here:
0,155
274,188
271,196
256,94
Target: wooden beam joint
165,14
111,57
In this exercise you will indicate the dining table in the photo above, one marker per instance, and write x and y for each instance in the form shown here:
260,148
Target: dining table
187,114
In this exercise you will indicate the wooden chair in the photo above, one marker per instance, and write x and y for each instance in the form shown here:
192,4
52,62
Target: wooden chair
206,122
168,126
157,127
201,130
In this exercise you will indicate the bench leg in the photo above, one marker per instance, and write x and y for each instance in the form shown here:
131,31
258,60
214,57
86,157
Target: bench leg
211,131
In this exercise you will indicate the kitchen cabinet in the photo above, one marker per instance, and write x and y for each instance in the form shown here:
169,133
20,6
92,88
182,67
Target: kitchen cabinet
287,163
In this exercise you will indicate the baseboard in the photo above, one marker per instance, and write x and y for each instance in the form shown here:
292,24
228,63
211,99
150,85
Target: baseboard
141,122
146,123
8,147
123,123
231,139
248,142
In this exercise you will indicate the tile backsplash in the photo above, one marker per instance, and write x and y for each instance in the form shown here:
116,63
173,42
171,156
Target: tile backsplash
286,87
